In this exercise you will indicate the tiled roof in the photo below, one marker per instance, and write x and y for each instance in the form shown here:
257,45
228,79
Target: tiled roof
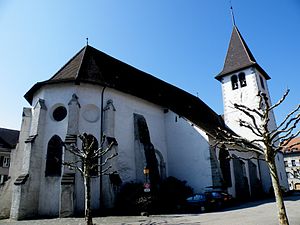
90,65
239,56
295,148
8,138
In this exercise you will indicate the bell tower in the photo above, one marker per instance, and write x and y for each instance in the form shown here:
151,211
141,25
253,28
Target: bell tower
241,78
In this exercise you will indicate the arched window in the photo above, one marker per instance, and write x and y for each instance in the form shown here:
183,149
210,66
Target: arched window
94,161
242,79
234,82
54,157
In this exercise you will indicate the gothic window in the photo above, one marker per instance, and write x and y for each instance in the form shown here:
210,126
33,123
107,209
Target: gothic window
242,79
234,82
54,157
94,161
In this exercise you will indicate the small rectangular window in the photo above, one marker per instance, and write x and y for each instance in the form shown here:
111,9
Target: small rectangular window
286,164
295,174
293,163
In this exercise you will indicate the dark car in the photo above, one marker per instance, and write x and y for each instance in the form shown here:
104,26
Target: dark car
218,199
197,202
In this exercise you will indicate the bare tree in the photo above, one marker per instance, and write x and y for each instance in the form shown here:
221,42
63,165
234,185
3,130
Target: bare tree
267,142
87,164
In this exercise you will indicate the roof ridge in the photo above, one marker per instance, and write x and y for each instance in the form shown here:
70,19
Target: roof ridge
67,63
81,61
245,46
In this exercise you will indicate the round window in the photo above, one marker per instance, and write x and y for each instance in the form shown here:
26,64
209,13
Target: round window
59,113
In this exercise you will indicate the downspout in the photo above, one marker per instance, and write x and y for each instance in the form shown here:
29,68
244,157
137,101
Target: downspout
101,141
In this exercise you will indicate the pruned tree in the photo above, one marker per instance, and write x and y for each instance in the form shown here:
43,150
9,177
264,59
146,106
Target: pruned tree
268,140
87,163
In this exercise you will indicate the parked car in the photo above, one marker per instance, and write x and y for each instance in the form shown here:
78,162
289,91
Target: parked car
197,202
218,199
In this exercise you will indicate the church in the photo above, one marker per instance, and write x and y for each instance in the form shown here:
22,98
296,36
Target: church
152,124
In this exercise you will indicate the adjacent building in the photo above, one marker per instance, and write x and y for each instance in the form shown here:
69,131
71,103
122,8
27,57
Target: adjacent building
8,141
292,163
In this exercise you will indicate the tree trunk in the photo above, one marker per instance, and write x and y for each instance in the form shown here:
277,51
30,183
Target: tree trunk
282,216
87,192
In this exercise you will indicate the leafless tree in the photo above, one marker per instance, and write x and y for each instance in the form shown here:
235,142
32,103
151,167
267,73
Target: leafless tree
267,142
87,163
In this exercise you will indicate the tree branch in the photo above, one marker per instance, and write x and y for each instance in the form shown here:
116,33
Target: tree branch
288,116
249,126
280,100
108,158
288,128
244,110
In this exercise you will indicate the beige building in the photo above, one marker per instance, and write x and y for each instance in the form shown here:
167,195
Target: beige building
292,163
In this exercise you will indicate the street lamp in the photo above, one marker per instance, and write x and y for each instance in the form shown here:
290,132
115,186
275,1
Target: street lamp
147,183
146,173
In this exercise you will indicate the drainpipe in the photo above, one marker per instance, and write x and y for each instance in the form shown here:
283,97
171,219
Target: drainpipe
101,137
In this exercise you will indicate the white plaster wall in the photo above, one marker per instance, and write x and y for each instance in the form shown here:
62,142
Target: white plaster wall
49,196
245,95
188,153
125,105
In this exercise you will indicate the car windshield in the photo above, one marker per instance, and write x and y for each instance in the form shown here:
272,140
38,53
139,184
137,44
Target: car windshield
199,197
216,194
196,197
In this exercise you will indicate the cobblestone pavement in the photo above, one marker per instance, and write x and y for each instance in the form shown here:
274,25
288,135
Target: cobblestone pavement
254,213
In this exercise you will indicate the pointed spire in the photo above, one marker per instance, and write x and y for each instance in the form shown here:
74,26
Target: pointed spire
238,56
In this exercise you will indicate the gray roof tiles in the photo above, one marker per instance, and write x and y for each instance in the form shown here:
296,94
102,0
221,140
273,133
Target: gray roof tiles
90,65
238,56
9,138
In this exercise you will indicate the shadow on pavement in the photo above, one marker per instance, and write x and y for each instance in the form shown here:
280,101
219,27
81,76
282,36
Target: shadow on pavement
293,196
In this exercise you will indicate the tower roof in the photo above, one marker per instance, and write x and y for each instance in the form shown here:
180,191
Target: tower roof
92,66
239,56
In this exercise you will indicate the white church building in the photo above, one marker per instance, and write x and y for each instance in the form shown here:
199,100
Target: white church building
152,123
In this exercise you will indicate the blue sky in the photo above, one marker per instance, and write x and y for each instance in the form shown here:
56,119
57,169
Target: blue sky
182,42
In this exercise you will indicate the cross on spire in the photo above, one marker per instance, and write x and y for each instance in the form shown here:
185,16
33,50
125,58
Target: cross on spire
232,13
